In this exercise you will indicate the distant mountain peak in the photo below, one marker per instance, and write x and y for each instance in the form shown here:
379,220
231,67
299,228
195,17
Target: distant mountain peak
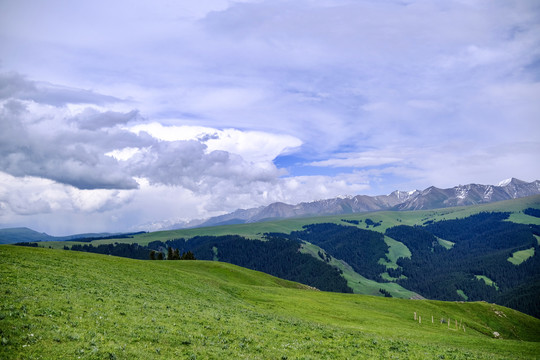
512,181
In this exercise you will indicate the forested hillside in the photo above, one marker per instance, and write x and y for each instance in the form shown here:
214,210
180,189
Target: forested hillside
482,245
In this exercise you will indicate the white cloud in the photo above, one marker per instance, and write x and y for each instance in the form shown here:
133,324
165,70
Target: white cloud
252,146
360,160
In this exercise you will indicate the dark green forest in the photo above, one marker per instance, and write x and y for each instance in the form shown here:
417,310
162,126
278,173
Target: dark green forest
482,245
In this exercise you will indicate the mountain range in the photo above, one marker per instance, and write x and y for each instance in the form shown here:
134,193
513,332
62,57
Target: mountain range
430,198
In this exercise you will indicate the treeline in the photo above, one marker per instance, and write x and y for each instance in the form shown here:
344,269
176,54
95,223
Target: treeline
482,245
108,237
133,251
532,212
172,254
29,244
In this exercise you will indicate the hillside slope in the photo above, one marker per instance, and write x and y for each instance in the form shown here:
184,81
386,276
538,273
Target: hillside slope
60,304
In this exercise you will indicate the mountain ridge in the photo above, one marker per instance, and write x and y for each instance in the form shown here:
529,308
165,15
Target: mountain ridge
427,199
24,234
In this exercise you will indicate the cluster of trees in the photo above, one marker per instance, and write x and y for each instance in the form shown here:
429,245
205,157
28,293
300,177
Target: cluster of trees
532,212
107,237
29,244
172,254
133,251
372,223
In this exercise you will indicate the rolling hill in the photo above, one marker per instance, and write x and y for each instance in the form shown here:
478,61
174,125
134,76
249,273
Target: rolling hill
63,304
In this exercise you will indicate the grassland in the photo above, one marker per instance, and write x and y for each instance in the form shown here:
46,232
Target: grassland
396,250
445,243
59,304
488,281
462,294
520,256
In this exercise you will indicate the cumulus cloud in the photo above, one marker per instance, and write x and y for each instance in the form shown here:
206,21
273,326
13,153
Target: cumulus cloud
253,146
42,145
36,196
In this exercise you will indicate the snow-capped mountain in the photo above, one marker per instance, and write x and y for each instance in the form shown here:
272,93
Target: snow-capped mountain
430,198
471,194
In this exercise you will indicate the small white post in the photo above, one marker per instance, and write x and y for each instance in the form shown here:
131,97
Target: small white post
432,319
415,316
419,319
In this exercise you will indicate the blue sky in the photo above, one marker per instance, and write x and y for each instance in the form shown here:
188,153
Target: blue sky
132,115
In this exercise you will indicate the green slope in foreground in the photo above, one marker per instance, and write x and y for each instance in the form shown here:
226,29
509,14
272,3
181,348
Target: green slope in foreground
59,304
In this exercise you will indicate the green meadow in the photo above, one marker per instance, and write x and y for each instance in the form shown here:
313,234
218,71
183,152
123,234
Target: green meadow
61,304
520,256
487,280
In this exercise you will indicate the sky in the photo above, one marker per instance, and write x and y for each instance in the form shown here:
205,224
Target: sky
135,115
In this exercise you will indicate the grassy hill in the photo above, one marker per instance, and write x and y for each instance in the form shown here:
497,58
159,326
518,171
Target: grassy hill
60,304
